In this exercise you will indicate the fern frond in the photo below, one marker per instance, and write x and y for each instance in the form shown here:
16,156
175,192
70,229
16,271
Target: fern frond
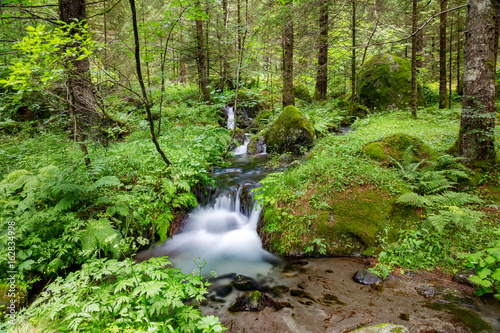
436,185
454,174
101,235
67,202
106,181
414,199
450,198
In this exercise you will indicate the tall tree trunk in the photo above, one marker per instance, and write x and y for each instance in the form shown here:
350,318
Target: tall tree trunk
354,94
202,65
442,57
414,61
225,69
477,125
288,93
182,72
322,76
459,50
497,29
147,105
420,49
81,98
451,65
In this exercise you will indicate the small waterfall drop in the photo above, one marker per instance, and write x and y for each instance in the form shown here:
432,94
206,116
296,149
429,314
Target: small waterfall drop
230,117
222,230
242,150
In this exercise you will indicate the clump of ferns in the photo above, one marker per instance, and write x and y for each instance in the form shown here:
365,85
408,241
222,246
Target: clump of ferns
434,190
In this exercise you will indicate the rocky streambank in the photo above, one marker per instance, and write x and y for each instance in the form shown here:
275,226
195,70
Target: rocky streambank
320,295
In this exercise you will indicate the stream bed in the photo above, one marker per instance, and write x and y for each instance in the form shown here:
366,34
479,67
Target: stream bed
312,294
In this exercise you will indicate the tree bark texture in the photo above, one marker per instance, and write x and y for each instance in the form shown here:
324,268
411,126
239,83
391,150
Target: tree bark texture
81,106
477,125
414,61
442,57
288,93
322,75
72,11
202,65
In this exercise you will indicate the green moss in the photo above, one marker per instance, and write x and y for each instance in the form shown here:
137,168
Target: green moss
400,147
376,151
385,83
358,215
467,317
301,92
263,118
291,131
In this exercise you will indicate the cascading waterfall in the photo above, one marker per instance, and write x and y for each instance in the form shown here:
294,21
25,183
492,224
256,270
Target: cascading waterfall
242,150
230,117
223,230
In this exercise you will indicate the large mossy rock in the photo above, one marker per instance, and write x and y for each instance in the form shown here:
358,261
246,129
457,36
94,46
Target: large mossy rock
291,131
347,222
384,83
399,147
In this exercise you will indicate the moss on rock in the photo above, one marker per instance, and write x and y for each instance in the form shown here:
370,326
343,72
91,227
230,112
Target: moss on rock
385,83
291,131
301,92
399,147
355,111
347,222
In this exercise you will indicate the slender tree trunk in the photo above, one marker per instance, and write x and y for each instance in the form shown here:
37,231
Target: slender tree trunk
459,50
414,61
202,65
322,76
141,83
81,98
288,93
497,29
420,49
354,94
182,72
477,126
442,57
225,70
451,63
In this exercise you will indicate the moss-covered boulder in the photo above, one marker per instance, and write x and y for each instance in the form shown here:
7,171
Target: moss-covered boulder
337,223
399,147
291,131
384,83
301,92
262,118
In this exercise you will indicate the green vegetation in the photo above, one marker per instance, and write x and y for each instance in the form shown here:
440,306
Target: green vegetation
385,83
291,132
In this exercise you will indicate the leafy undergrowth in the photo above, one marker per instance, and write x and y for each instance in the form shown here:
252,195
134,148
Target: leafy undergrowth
430,218
64,213
121,296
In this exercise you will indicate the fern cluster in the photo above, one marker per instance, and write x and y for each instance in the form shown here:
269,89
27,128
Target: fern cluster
122,296
433,190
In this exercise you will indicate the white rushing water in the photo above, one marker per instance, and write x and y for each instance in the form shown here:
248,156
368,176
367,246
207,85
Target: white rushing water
242,150
222,233
230,117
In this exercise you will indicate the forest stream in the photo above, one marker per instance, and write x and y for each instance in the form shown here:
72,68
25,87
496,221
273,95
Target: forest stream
303,294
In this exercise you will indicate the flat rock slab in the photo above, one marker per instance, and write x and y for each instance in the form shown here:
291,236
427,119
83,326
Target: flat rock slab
383,328
340,304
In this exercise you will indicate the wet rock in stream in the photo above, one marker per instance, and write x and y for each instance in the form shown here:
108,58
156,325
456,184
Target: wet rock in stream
363,276
256,301
223,291
244,283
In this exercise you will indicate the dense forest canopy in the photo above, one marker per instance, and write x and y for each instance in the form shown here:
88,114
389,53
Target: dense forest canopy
113,114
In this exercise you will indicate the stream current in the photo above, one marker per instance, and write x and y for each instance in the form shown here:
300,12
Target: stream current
222,232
